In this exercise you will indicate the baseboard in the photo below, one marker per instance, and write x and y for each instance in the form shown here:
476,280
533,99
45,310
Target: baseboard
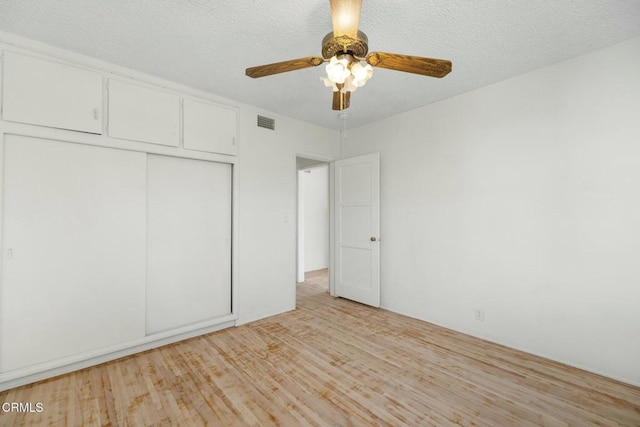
20,377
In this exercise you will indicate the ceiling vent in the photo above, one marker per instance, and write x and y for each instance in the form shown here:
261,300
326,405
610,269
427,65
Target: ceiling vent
266,122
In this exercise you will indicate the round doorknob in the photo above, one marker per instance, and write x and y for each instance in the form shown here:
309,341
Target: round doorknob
373,239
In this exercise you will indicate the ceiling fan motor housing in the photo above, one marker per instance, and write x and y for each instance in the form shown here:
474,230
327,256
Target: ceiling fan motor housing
332,46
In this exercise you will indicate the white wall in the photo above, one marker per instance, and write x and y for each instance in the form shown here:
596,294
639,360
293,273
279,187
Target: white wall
267,209
521,199
314,183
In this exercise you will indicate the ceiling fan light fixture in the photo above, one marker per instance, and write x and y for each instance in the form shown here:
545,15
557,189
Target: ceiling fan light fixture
349,85
345,16
329,83
346,74
361,73
338,68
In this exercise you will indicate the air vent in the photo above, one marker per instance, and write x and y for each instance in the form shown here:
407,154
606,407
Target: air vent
266,122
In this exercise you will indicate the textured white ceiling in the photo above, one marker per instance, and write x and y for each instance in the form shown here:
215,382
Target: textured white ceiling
207,44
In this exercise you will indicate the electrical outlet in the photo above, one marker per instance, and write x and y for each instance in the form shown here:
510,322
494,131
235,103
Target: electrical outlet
479,314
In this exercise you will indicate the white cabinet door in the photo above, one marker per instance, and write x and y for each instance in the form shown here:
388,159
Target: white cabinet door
47,93
209,127
73,276
188,241
143,114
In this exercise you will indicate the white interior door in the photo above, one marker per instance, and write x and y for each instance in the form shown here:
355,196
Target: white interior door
357,229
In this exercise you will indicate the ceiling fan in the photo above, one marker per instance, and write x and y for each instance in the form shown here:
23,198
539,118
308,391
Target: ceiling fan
349,61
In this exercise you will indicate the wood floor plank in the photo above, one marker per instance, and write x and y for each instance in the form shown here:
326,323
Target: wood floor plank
330,362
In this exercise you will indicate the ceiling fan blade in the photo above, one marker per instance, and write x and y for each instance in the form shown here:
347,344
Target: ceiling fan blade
283,67
410,64
345,15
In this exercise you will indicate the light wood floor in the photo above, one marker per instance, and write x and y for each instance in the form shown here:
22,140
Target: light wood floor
330,362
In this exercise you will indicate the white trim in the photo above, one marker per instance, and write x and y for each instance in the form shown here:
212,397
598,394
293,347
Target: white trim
332,228
314,156
524,349
65,365
34,131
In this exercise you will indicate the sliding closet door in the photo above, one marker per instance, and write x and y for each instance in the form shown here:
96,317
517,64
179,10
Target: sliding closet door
73,259
188,241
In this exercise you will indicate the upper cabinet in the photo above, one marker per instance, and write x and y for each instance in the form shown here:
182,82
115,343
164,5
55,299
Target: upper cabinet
144,114
209,127
41,92
47,93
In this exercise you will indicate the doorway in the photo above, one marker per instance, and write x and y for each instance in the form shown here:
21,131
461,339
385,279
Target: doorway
313,232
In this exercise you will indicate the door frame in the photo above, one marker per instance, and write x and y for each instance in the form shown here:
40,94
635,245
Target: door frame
329,161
